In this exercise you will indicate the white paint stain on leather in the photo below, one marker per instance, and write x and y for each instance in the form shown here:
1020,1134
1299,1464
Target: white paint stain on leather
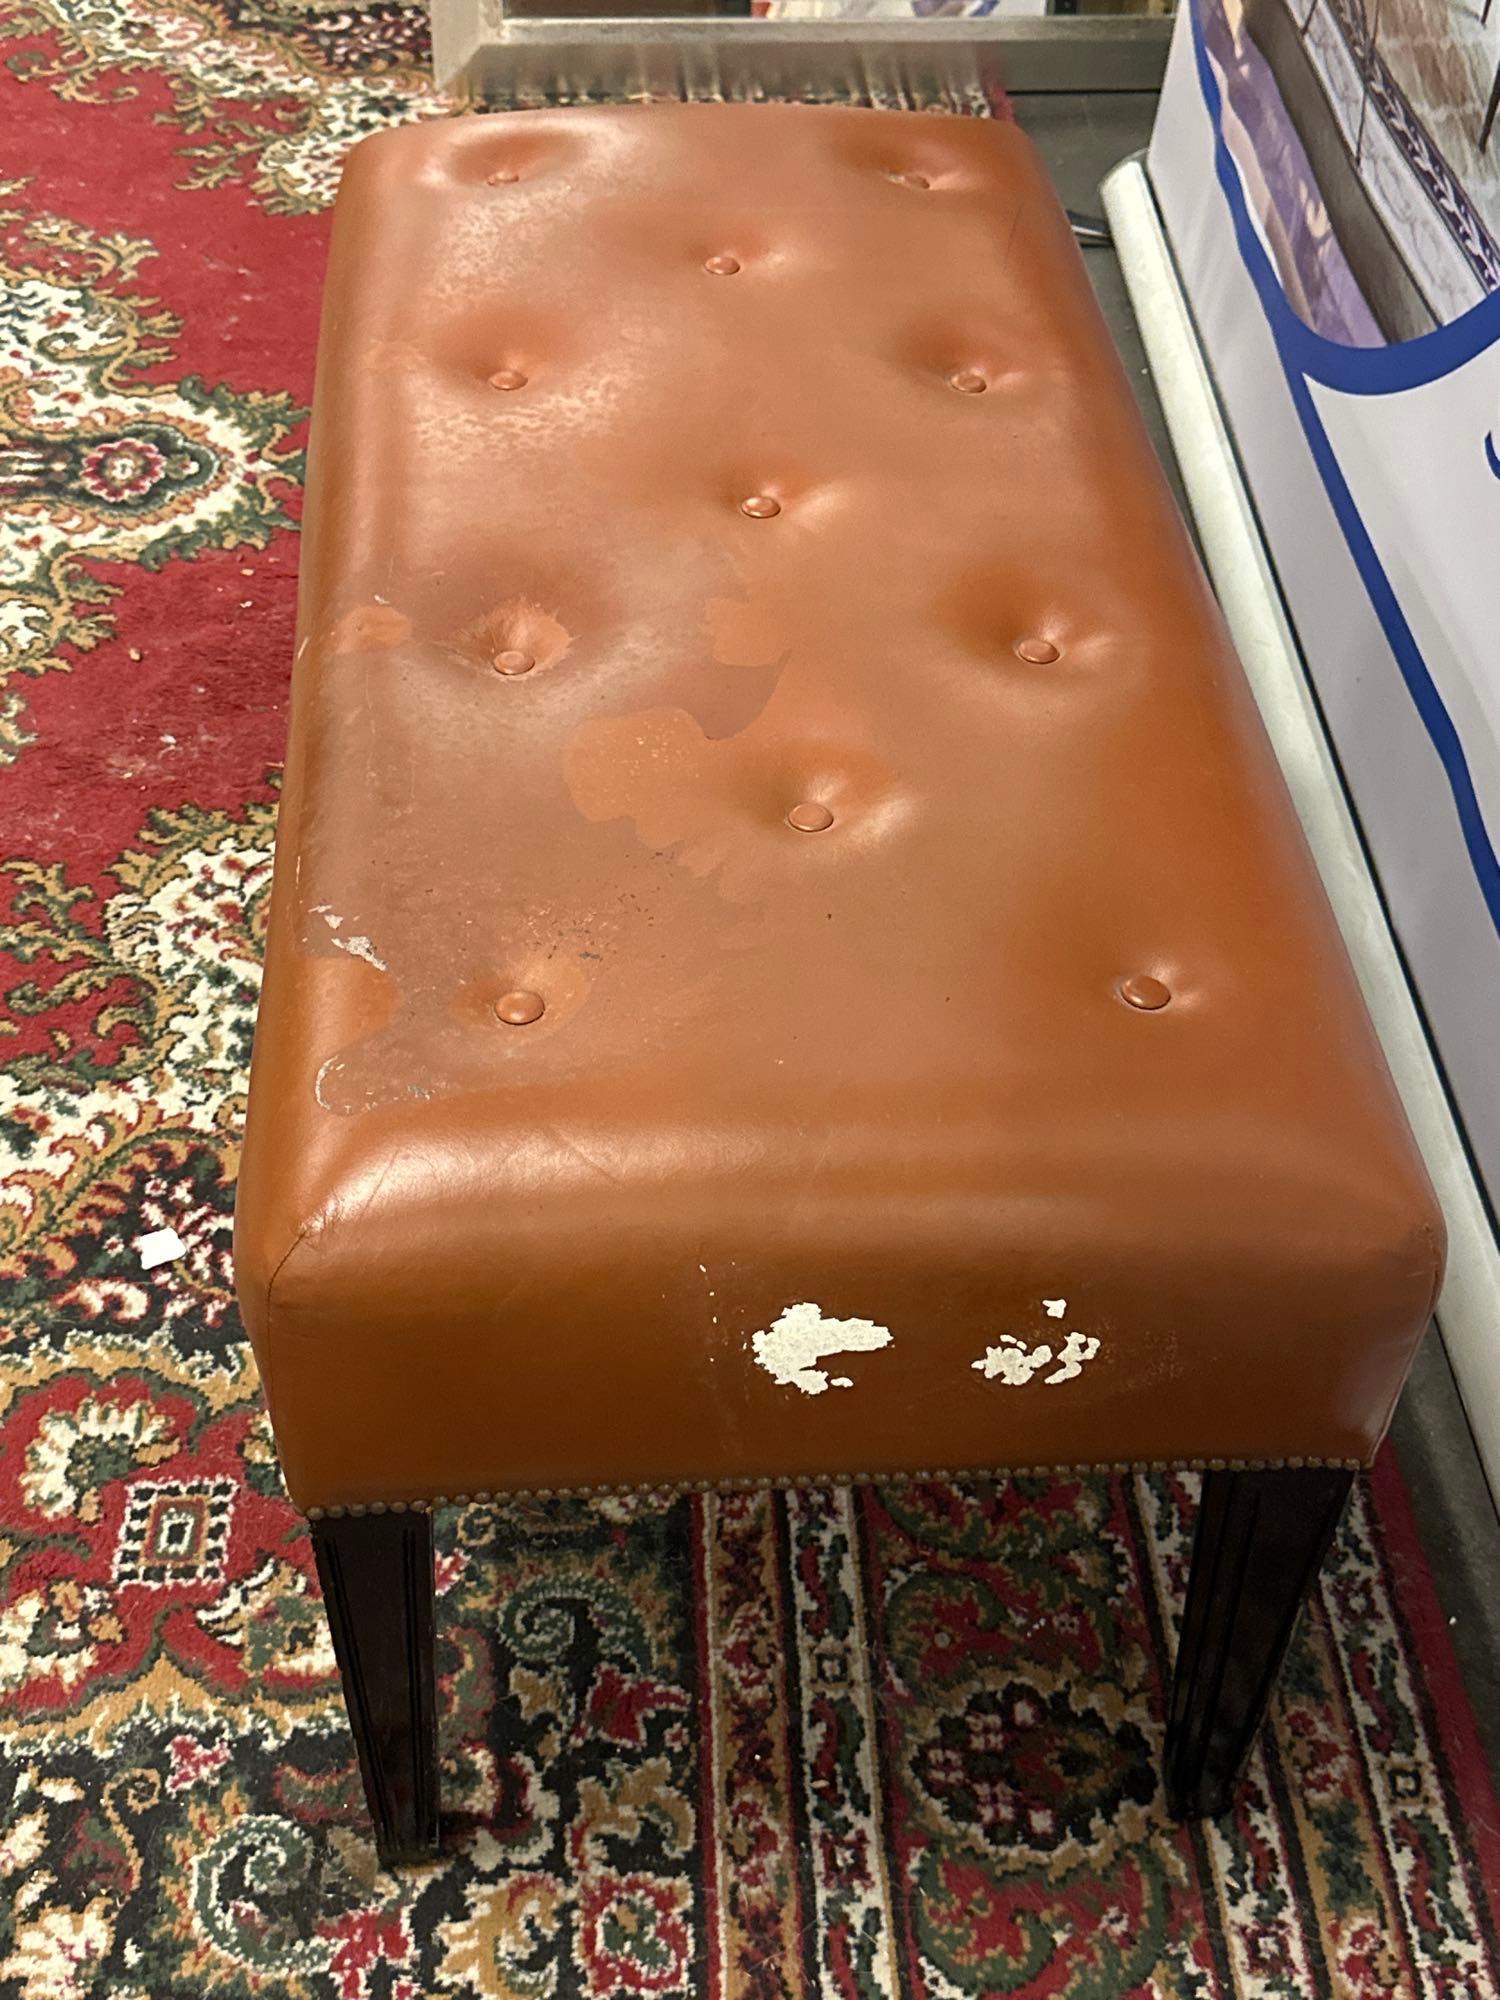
1014,1363
790,1348
1075,1350
1054,1308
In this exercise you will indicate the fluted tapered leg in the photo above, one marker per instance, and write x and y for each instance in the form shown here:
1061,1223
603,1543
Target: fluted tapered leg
377,1578
1260,1542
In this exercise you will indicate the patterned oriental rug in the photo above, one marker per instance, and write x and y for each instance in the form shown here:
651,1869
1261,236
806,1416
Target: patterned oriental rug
897,1742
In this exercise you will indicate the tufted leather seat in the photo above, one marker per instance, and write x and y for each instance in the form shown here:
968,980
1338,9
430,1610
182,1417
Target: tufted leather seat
784,909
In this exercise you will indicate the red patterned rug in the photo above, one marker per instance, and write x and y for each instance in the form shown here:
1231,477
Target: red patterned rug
886,1743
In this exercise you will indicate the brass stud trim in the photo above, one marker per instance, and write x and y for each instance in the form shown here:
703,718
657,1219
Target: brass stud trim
802,1482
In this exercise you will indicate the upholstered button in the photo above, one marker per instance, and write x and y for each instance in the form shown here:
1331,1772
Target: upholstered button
501,176
514,661
520,1009
723,266
760,506
968,382
507,378
810,817
911,180
1139,989
1039,652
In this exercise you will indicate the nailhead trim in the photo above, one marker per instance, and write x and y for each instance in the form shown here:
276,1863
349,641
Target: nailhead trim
674,1489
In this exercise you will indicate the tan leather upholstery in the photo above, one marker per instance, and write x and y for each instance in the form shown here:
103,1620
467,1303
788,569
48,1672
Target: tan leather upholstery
675,469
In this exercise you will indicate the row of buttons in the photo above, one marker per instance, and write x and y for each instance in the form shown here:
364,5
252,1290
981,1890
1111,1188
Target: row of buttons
967,381
1139,989
512,661
508,176
522,1007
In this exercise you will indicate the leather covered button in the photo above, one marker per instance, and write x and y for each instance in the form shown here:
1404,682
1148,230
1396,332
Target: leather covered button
723,266
968,382
520,1009
1039,652
514,661
507,378
1140,990
760,507
810,817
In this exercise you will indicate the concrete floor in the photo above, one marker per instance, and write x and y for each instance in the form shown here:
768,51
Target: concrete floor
1081,138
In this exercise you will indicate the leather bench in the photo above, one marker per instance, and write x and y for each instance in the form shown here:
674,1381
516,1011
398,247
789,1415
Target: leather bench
790,956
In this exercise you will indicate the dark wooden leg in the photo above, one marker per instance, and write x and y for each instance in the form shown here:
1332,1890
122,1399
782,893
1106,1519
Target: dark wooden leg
1261,1539
376,1573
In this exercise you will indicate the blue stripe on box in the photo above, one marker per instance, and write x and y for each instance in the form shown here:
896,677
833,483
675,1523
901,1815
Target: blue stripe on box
1365,371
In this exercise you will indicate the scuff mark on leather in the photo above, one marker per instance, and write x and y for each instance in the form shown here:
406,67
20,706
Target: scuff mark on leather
717,806
355,944
370,628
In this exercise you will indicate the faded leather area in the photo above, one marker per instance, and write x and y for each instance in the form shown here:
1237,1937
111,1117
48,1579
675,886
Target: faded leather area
558,690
